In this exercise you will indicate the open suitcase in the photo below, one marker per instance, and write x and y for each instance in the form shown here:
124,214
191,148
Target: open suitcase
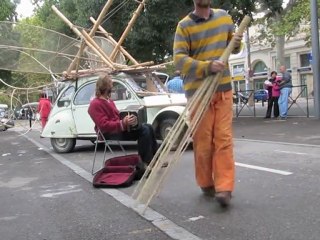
119,171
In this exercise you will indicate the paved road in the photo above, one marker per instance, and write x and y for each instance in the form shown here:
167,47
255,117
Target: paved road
276,196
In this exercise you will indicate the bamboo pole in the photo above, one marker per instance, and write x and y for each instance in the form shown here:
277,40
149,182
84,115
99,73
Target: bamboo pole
86,71
76,31
130,69
92,32
108,36
125,33
101,52
151,182
124,52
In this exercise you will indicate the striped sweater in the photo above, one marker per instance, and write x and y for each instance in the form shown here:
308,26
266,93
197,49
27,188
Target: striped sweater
198,42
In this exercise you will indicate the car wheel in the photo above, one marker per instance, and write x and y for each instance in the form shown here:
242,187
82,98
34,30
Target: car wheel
63,145
165,127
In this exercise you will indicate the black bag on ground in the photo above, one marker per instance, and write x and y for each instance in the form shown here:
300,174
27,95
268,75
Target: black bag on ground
119,172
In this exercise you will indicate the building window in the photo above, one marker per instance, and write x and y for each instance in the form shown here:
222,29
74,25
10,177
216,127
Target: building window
238,70
305,60
260,67
259,84
287,62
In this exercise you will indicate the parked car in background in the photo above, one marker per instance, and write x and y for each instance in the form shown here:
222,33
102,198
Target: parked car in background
164,77
5,121
240,96
261,95
3,110
34,107
69,119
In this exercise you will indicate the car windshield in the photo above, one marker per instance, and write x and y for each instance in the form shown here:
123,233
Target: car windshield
134,85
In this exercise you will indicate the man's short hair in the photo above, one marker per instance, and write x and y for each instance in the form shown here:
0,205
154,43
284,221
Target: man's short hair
177,73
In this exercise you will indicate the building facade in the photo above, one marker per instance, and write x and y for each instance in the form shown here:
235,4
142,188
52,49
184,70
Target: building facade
263,61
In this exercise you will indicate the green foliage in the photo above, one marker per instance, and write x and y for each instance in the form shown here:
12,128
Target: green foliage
282,22
7,10
153,33
7,13
236,8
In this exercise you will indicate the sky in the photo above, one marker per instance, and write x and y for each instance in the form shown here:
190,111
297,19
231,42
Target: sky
25,9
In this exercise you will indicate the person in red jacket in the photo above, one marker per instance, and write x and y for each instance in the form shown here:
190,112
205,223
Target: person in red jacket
106,117
44,109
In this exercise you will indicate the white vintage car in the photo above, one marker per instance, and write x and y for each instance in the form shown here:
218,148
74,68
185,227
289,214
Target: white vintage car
69,119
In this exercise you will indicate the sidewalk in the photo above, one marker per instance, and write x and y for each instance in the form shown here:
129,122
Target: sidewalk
300,130
301,108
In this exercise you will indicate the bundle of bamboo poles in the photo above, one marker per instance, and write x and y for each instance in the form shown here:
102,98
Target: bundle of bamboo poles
87,40
155,174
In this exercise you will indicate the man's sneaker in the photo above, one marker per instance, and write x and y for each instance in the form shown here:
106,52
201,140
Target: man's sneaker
223,198
208,191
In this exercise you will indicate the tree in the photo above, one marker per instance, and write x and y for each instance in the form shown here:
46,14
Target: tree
277,24
152,35
7,13
7,10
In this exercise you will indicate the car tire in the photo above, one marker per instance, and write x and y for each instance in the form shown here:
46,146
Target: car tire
165,127
63,145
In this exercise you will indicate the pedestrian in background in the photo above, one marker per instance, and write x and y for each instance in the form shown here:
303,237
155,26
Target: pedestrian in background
175,85
44,109
273,95
30,115
285,91
200,39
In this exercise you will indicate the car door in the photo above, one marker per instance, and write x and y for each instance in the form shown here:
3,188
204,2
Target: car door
84,124
121,94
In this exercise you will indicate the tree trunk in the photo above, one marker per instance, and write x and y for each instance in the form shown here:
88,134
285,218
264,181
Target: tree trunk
280,40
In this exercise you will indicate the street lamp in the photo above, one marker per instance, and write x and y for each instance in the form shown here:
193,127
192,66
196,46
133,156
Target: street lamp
315,56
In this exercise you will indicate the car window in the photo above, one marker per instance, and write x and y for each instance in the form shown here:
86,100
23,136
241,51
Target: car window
2,112
65,98
120,92
85,94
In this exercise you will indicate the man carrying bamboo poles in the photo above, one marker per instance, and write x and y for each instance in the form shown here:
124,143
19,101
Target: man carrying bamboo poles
200,39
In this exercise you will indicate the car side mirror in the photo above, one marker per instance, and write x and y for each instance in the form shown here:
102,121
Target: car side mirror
66,103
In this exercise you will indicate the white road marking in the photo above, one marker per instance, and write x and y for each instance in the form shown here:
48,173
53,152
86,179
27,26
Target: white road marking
161,222
52,195
264,169
193,219
6,154
288,152
17,182
274,142
8,218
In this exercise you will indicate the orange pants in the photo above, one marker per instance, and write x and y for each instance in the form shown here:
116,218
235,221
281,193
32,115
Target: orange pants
213,145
